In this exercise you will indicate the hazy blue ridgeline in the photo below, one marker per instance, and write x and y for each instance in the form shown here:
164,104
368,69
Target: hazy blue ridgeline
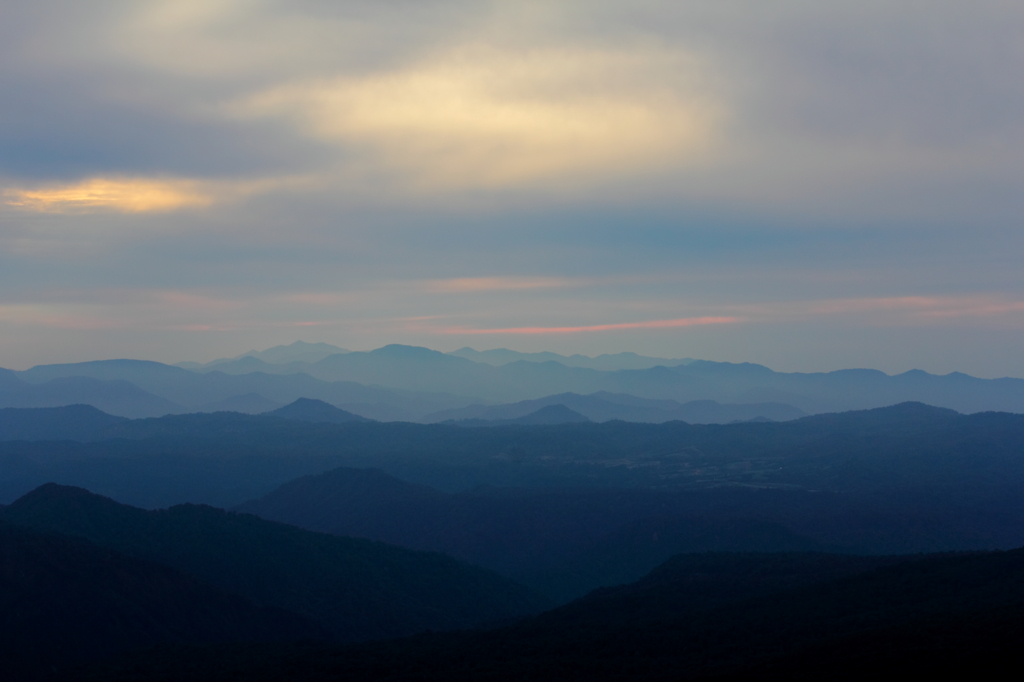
417,384
905,478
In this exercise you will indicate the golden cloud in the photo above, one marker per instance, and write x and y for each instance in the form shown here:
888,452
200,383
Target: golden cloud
484,117
122,195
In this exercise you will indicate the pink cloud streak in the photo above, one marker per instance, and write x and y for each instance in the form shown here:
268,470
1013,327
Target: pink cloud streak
654,324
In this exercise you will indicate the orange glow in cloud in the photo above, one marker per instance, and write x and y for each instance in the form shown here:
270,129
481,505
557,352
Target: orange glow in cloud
122,195
654,324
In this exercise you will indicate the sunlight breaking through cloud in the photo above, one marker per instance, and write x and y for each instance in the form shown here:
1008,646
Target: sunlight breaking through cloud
480,116
122,195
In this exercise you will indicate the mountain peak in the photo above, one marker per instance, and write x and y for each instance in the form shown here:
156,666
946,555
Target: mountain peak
915,408
51,500
397,350
552,414
313,410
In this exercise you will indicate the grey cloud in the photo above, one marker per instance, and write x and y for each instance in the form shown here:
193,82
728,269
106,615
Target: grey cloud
76,103
871,150
803,81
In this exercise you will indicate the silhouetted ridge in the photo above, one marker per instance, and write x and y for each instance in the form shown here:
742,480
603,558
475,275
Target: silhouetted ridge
718,616
359,498
562,543
312,410
634,548
358,589
64,601
908,413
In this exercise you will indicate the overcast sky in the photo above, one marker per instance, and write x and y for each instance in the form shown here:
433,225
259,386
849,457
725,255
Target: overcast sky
808,185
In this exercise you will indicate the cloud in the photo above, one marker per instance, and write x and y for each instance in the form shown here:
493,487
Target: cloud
548,164
838,109
139,195
121,195
483,116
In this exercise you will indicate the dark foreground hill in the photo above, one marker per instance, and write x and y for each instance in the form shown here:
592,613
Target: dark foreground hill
358,589
64,601
563,543
797,616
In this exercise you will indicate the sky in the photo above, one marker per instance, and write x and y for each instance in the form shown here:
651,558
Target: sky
811,186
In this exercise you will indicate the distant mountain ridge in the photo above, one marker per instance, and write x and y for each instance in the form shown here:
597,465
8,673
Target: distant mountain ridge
114,396
299,351
399,382
607,362
178,390
604,406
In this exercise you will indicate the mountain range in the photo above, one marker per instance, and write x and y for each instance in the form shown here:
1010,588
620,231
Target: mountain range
265,517
897,479
604,406
677,549
299,351
136,388
404,383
